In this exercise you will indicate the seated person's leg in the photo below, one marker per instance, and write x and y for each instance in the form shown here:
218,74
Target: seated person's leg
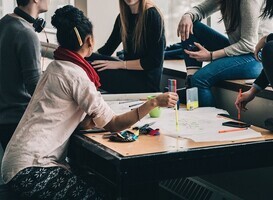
209,38
267,61
267,55
227,68
126,81
51,183
97,56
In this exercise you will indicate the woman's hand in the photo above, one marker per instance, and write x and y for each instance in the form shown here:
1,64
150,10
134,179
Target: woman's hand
202,55
101,65
125,120
185,27
246,97
259,46
168,99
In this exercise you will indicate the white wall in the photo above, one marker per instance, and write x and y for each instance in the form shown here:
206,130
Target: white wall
102,13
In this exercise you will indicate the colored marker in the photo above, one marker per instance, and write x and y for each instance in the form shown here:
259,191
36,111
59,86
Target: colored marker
232,130
127,101
172,88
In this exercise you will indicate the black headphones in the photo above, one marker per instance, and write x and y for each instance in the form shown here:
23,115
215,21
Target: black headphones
38,24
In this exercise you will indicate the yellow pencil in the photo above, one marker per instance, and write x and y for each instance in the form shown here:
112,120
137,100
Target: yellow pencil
176,118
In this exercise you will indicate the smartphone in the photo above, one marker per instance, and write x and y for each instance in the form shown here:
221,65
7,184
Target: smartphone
192,47
236,124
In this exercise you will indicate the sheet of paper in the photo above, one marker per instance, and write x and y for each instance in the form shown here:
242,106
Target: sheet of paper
120,107
200,125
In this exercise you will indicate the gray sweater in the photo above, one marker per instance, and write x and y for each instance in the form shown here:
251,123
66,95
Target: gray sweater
19,67
244,39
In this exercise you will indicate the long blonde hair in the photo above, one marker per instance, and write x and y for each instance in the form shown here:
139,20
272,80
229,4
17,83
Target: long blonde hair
139,38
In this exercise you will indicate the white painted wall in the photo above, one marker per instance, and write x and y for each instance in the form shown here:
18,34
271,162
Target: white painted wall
102,14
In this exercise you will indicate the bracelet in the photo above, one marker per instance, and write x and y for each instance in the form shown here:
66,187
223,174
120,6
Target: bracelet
211,56
190,14
125,64
138,116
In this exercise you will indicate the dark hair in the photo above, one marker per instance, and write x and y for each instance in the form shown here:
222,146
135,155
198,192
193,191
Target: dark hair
22,2
268,9
65,20
230,10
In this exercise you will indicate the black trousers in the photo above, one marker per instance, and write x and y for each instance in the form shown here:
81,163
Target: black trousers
123,81
6,131
267,55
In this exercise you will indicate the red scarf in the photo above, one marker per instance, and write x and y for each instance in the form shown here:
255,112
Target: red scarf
67,55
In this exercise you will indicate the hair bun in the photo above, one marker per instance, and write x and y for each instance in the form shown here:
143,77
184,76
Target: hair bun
67,18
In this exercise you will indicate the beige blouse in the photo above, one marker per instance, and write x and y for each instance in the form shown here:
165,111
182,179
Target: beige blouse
60,102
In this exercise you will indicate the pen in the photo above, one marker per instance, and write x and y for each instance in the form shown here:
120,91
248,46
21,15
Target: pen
239,111
135,104
128,101
94,130
232,130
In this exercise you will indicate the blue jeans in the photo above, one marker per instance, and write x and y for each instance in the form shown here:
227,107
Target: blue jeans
227,68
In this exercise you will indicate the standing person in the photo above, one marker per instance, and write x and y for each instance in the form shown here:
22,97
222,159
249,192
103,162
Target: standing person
140,29
19,62
230,58
265,46
34,162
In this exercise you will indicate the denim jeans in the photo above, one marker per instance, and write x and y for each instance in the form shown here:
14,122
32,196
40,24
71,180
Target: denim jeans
227,68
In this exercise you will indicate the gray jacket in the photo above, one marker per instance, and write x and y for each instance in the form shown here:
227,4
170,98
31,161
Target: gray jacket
19,67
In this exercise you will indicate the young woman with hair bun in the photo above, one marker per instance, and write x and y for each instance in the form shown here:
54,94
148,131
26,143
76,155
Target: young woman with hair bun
66,96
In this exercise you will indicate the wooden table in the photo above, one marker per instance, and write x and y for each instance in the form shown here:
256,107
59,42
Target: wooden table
133,170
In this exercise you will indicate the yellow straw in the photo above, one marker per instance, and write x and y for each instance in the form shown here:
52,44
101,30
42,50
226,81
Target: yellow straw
176,118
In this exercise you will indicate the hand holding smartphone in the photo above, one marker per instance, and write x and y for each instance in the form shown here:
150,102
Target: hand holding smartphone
192,47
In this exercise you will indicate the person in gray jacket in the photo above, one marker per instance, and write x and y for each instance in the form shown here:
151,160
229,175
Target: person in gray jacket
19,62
230,57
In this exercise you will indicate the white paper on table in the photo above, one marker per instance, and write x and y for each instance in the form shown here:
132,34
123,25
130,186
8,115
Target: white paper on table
200,125
228,136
